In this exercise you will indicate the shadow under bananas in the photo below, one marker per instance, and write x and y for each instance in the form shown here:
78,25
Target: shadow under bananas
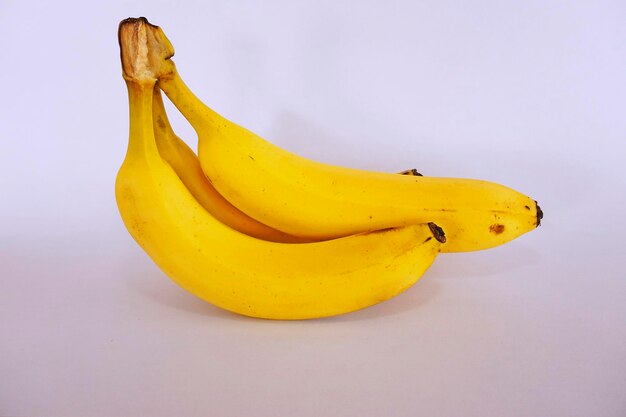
155,286
152,284
496,261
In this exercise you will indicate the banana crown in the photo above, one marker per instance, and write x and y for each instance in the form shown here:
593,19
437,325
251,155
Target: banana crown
145,50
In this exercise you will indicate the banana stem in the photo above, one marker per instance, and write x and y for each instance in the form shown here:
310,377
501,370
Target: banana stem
141,139
146,53
164,135
161,121
198,114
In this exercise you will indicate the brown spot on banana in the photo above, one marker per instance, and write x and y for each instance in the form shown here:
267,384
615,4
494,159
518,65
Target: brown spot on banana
438,232
161,123
496,228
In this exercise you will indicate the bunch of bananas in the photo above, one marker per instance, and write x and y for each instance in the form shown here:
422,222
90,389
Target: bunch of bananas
262,232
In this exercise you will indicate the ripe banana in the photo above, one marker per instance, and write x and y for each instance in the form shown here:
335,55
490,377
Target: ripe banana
185,163
319,201
232,270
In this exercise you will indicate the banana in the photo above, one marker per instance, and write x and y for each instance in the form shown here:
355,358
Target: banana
235,271
320,201
185,163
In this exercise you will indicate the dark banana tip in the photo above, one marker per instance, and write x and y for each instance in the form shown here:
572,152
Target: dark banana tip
135,20
539,214
412,172
130,22
438,232
144,50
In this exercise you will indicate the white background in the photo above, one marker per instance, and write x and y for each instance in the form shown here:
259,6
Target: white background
531,94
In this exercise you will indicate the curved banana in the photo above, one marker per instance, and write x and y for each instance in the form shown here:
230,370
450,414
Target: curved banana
319,201
185,163
237,272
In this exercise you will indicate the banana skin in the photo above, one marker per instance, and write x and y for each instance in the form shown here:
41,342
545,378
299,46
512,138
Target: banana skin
237,272
186,164
318,201
209,240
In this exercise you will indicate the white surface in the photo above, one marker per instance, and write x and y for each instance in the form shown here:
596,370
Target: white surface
529,94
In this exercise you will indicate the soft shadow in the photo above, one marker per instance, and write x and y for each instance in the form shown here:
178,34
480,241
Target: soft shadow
155,286
496,261
449,266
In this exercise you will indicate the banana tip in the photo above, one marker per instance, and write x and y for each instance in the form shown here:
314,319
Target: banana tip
539,214
438,232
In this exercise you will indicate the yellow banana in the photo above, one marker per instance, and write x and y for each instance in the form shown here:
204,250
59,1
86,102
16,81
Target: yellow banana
319,201
234,271
185,163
